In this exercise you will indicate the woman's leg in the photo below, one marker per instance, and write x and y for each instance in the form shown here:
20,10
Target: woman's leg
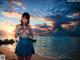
27,57
20,58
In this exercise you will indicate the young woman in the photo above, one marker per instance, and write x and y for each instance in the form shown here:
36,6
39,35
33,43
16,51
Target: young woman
24,48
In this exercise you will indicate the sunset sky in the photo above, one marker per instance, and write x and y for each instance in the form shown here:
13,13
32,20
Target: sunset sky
46,15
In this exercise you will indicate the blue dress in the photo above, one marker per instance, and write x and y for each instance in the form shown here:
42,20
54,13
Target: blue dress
24,46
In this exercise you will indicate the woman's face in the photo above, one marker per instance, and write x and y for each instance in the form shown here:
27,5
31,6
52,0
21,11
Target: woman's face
24,20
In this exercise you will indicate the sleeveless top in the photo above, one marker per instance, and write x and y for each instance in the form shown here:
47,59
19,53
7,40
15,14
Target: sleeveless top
20,32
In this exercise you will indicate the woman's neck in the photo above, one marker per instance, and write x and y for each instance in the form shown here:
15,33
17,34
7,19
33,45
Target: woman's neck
24,26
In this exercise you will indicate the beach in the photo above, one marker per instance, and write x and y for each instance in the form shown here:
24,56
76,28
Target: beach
12,56
49,48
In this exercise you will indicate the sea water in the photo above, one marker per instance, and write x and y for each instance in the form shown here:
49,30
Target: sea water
57,46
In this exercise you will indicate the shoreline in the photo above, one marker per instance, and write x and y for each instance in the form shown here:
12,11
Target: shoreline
12,56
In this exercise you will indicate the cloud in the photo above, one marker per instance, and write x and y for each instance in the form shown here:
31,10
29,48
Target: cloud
12,6
38,31
44,25
2,33
11,14
65,12
8,27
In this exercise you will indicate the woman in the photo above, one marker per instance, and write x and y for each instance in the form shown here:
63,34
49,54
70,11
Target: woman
24,48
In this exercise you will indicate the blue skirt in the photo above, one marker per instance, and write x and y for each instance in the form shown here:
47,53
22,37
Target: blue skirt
24,47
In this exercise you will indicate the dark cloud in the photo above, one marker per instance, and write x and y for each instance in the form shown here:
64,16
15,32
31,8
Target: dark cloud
44,25
64,12
38,31
62,9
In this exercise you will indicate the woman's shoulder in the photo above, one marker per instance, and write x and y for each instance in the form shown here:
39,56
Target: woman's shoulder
29,26
18,26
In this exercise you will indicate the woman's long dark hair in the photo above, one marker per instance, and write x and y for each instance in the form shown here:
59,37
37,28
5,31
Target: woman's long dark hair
27,16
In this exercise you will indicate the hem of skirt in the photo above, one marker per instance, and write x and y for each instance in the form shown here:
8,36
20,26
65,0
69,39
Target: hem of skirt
24,55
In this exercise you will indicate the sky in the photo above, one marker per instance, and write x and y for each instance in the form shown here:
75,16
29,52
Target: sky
46,16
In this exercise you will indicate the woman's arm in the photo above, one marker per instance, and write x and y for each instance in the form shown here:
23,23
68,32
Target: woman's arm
16,31
31,33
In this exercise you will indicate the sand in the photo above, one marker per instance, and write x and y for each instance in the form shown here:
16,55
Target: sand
12,56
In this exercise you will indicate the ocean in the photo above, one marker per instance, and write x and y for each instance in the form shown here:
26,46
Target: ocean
56,46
